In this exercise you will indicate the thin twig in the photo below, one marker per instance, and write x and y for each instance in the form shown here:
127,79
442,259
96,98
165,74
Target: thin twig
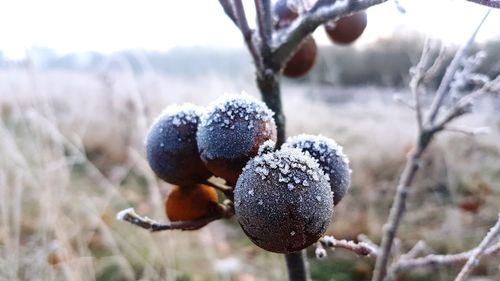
228,7
242,23
419,247
464,104
360,248
364,238
399,205
438,64
129,215
425,136
265,25
434,260
291,37
402,101
418,74
479,252
450,72
471,132
405,263
488,3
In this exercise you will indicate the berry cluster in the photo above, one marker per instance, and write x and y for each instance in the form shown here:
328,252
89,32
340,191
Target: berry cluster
343,31
283,197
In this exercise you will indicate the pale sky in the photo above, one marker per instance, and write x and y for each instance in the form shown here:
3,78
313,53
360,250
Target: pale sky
112,25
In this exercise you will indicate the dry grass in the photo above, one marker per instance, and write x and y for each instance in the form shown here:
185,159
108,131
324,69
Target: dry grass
71,148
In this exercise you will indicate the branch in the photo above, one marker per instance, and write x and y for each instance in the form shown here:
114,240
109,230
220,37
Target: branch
425,136
471,132
450,72
228,7
265,24
488,3
419,247
417,76
463,105
241,22
436,260
324,11
479,252
399,205
129,215
360,248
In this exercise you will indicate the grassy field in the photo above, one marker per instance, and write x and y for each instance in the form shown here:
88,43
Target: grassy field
72,155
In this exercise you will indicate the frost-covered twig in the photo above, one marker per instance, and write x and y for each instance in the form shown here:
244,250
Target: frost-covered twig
435,260
227,5
322,12
264,21
471,132
419,247
129,215
248,34
417,75
427,132
452,68
489,3
479,252
360,248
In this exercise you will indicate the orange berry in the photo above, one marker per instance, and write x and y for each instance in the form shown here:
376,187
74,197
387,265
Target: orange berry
191,202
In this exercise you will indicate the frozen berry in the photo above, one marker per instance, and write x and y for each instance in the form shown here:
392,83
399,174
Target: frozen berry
347,29
283,200
331,159
171,146
231,132
191,202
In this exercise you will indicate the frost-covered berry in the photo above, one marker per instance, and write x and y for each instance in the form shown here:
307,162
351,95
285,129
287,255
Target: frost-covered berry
191,202
283,200
231,132
171,146
331,159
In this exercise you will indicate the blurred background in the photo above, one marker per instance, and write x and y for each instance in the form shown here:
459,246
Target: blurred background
81,81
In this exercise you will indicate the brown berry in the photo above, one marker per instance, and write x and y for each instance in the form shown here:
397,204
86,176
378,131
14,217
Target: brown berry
302,60
283,200
171,147
347,29
231,132
331,159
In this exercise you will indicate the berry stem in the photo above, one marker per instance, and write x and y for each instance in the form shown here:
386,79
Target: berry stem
227,190
297,267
